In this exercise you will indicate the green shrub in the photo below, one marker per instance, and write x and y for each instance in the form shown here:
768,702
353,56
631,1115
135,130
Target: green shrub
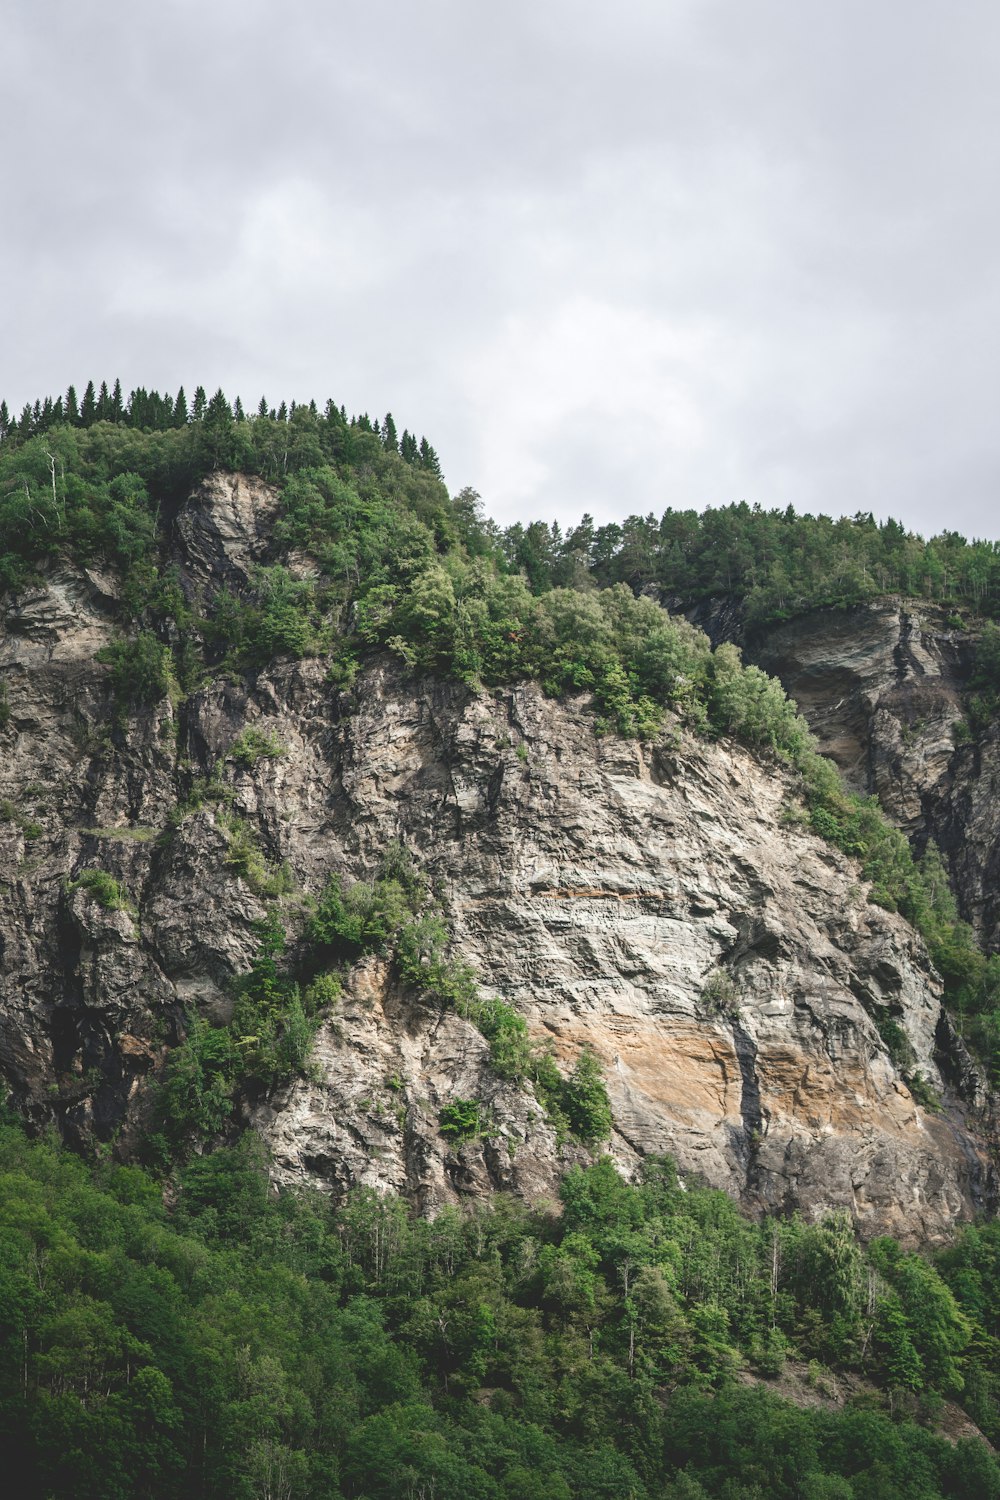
245,857
255,744
142,670
720,995
585,1101
105,889
460,1121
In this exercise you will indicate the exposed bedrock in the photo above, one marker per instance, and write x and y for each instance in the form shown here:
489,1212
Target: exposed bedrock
660,904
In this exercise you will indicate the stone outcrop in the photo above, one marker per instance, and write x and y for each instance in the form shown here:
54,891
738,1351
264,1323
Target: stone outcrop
662,905
883,686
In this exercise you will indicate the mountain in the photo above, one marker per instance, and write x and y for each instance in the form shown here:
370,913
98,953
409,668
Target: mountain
659,904
442,864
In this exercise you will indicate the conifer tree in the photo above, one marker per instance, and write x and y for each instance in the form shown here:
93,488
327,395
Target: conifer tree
117,404
282,413
218,409
200,403
238,412
262,408
389,439
180,408
103,403
88,411
72,407
4,420
429,459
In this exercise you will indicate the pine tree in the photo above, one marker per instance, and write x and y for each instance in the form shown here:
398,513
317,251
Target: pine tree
4,420
72,407
103,403
88,411
408,447
238,412
180,408
282,413
200,403
262,408
389,439
117,405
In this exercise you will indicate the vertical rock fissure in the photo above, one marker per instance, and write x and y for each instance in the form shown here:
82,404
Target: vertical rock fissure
751,1112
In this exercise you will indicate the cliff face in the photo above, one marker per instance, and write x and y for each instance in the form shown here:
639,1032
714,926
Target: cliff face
882,687
661,904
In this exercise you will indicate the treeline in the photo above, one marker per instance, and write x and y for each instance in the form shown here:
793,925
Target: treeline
233,1343
777,561
149,411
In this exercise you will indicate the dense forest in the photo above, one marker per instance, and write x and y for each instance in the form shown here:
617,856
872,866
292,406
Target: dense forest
181,1323
235,1344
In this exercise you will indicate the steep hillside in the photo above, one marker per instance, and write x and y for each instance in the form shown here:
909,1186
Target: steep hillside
662,903
408,928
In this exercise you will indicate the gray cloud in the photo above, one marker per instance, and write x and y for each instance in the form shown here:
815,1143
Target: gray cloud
607,258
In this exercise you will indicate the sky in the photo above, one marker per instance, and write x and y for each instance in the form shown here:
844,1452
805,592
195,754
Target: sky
606,257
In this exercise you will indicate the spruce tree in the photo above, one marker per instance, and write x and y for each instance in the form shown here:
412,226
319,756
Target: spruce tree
4,420
72,407
200,402
389,439
429,459
180,408
218,409
103,403
262,408
238,411
88,411
117,405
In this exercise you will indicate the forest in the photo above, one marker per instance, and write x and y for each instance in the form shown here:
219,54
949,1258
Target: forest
620,1344
177,1320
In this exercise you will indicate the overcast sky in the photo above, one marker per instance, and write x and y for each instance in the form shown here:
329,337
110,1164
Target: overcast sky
607,257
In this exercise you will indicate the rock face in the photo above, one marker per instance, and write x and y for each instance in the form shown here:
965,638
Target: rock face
882,686
660,904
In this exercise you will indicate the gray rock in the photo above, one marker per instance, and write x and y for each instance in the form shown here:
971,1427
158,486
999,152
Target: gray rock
658,904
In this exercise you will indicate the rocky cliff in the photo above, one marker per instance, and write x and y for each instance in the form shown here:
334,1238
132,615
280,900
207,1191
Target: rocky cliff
883,687
661,904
